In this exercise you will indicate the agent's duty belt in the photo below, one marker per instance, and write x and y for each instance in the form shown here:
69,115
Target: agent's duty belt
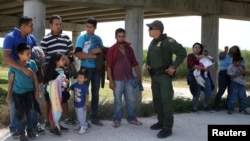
157,71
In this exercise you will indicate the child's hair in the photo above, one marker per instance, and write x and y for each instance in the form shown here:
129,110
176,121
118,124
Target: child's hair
22,47
83,72
91,20
204,50
237,58
51,67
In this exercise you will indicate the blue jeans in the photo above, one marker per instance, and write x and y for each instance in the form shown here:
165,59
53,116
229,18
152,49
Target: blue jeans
207,90
95,79
224,82
12,124
237,91
24,112
124,87
35,119
28,124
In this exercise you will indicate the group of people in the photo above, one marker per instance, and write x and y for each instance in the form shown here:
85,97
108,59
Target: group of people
123,73
231,77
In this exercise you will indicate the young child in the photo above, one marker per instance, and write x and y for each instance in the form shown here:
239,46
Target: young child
237,86
23,89
55,75
81,99
205,61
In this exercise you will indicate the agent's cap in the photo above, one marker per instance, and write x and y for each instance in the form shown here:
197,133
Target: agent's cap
156,25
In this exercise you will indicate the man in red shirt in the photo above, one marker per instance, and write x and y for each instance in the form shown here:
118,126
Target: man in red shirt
120,63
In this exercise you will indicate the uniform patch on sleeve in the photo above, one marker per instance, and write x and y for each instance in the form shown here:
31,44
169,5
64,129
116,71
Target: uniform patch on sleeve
171,40
159,44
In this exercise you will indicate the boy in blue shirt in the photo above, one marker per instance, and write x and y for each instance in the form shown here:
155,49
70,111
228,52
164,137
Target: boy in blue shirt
88,45
81,98
23,89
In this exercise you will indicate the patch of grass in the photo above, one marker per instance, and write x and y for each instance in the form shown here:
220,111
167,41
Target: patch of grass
3,85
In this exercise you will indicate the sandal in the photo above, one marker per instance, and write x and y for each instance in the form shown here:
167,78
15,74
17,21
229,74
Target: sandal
135,121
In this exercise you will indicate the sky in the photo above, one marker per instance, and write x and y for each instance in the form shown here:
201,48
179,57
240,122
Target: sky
185,30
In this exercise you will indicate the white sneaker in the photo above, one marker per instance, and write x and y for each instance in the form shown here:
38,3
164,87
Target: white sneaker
83,130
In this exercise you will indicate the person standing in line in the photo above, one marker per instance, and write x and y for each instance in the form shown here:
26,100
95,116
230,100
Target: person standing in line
120,63
23,89
81,99
23,34
237,86
225,59
55,72
88,45
194,80
162,68
58,42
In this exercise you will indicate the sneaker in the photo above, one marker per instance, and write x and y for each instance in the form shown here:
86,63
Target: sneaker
96,122
83,130
156,126
116,124
46,125
31,135
14,135
22,138
69,121
55,132
39,131
63,129
135,122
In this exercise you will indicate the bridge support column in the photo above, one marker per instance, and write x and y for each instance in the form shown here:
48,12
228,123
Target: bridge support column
134,33
36,10
210,39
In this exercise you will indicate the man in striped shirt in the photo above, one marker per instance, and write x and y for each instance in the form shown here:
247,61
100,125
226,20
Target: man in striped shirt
57,42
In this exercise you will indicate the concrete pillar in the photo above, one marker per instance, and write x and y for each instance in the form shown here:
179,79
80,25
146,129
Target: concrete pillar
75,34
36,10
210,39
134,33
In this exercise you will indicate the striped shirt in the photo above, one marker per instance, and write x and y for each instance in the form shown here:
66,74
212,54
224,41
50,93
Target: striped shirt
52,44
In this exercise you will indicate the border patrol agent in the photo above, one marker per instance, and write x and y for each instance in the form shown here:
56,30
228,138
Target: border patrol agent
161,68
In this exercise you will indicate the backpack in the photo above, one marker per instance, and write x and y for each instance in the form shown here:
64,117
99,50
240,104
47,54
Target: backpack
38,56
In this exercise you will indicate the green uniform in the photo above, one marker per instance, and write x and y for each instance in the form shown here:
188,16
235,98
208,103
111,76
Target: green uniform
159,57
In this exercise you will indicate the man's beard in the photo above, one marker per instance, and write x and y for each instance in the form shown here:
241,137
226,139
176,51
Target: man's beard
121,42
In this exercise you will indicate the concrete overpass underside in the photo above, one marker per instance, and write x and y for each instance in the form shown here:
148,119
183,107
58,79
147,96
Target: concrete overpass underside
76,11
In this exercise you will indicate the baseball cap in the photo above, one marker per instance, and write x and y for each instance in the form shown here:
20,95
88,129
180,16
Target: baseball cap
156,24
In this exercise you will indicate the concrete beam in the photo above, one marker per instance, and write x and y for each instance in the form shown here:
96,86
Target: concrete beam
233,9
236,10
200,6
9,22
